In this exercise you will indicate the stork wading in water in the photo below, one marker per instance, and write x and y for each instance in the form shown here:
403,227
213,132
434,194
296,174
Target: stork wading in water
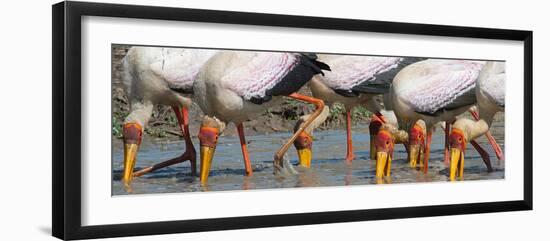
435,91
388,135
164,76
236,86
490,93
304,141
353,81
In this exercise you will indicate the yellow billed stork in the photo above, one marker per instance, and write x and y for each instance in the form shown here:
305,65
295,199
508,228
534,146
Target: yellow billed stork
490,93
236,86
435,91
352,81
151,76
389,134
304,141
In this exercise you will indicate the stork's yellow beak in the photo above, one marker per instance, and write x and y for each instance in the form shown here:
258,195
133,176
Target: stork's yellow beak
372,147
383,164
414,156
304,157
207,154
130,152
457,164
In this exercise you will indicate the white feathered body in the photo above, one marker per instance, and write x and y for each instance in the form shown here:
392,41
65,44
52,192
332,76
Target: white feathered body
363,78
230,79
434,90
490,95
153,75
150,73
491,87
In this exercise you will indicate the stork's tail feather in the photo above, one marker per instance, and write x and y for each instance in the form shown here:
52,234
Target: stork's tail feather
318,66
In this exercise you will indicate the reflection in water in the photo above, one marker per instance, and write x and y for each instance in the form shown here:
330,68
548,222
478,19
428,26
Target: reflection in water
248,183
328,166
347,177
308,178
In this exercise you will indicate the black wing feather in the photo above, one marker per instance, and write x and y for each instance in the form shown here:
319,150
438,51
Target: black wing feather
382,81
188,91
302,73
466,99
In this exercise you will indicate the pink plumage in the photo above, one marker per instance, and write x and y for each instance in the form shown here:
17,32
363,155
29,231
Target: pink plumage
179,67
447,84
261,73
349,71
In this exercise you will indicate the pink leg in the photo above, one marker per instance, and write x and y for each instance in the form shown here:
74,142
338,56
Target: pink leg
247,165
498,151
189,154
349,155
484,155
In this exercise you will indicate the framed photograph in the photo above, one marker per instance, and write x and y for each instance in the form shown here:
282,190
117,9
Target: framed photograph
173,120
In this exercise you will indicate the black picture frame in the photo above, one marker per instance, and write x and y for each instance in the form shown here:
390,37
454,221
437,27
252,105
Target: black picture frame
66,47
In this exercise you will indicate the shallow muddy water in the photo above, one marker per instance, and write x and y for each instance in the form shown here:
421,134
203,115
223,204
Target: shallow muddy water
327,168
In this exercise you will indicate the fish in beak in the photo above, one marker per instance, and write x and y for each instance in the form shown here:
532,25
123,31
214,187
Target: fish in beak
384,143
374,127
416,146
458,148
208,137
132,134
303,144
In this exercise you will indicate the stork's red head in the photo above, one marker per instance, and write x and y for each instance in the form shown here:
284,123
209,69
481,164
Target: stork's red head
132,135
457,141
384,143
303,144
416,145
376,123
208,136
416,135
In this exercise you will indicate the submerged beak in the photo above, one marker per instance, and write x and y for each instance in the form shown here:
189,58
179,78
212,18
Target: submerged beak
130,152
457,164
304,157
414,155
207,154
383,164
303,144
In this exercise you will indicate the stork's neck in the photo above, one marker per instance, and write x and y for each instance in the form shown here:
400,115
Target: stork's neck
478,128
401,136
140,113
316,123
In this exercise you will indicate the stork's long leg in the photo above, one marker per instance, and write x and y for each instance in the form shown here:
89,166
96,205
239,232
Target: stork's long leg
349,155
319,105
447,130
427,149
484,155
247,165
496,147
190,154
